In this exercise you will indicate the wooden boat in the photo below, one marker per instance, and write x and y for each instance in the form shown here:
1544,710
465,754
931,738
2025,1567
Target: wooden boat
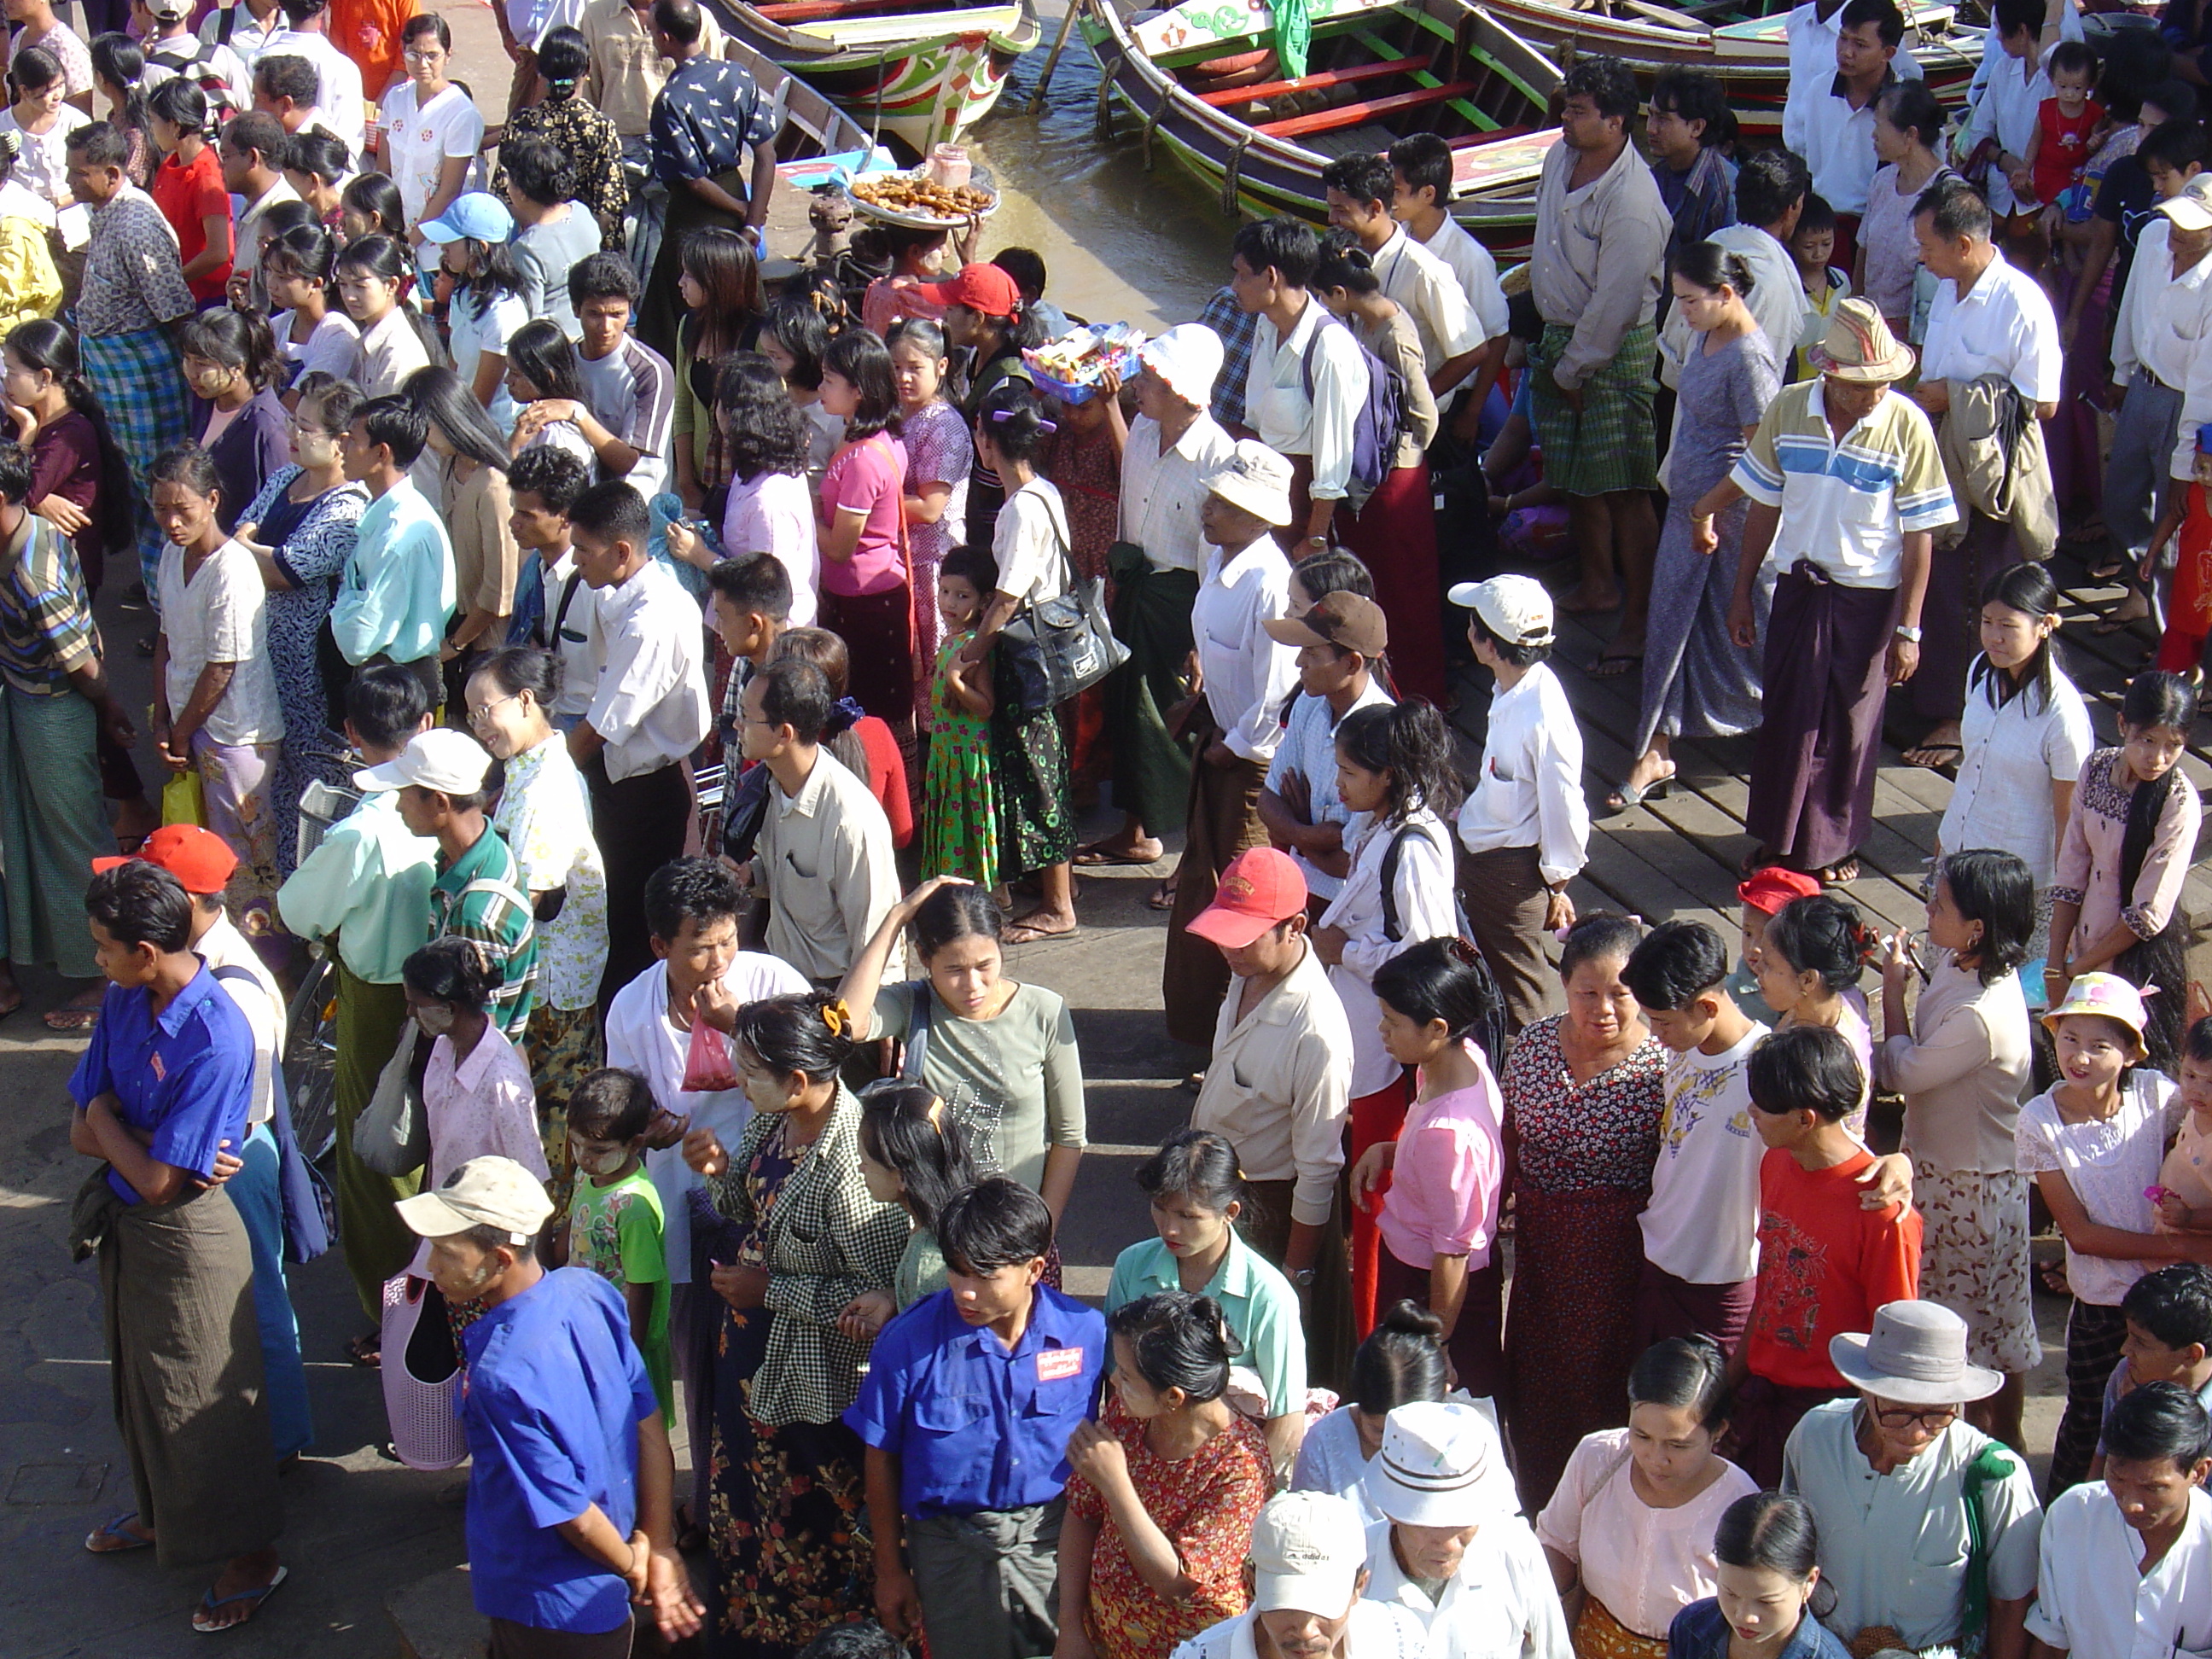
1750,52
818,136
920,72
1203,87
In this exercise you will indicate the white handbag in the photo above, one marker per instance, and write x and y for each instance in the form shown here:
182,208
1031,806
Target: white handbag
422,1368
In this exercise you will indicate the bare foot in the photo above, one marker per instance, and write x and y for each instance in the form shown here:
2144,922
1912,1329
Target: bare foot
1041,924
1940,748
1582,598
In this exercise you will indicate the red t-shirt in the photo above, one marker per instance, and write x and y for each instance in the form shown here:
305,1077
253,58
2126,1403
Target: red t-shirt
1824,1265
187,195
886,775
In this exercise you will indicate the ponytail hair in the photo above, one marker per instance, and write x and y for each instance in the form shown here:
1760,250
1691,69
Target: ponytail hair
1823,934
1409,741
1179,1342
452,970
1401,1361
808,1032
1710,266
907,1129
386,258
1446,980
43,343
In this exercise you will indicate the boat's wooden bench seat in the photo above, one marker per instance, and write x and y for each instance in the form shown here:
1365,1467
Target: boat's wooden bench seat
1344,115
1344,77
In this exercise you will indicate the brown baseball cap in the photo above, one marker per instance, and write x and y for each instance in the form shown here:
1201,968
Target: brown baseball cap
1344,620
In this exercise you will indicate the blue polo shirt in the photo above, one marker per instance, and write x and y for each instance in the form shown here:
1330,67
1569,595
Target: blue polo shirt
976,1426
186,1074
555,1391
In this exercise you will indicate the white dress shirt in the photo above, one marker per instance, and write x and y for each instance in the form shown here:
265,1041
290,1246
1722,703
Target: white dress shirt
339,103
2007,113
1161,494
651,705
1249,677
1427,908
2092,1597
1476,267
1501,1604
2013,752
2003,325
1813,66
2166,326
1425,289
1308,749
1292,422
1529,793
1839,140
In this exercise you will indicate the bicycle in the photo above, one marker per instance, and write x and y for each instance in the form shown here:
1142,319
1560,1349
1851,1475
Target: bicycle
311,1048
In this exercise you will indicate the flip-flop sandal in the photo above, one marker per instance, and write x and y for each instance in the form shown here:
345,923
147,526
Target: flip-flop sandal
1610,667
123,1542
1161,898
70,1020
256,1597
367,1352
1952,753
1022,934
1098,855
14,1007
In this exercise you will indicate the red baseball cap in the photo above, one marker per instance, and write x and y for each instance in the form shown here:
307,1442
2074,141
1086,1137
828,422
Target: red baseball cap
200,860
1770,889
979,287
1261,888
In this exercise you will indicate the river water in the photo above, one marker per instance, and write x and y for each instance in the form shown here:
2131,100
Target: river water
1121,245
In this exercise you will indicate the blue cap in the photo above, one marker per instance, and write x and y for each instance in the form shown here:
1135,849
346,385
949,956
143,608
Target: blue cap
477,217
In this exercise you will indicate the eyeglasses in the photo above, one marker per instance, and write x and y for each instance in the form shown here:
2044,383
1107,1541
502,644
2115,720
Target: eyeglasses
481,714
1935,1421
423,54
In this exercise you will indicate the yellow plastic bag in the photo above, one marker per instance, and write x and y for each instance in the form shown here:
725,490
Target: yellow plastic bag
182,800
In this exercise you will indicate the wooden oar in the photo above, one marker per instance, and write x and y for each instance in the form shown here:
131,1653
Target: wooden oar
1052,58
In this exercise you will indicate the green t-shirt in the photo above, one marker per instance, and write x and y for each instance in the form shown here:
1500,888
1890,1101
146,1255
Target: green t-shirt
616,1232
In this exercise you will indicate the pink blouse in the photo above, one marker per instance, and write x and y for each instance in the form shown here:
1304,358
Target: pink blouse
485,1106
868,476
2088,873
1445,1185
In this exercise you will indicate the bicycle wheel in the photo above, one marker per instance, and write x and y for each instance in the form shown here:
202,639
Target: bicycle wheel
311,1053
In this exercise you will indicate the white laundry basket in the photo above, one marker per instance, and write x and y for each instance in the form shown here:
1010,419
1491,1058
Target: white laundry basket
422,1368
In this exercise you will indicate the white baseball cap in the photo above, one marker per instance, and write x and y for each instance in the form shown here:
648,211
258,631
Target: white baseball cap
484,1191
1187,360
1517,609
1308,1549
2190,206
1441,1465
452,762
1255,477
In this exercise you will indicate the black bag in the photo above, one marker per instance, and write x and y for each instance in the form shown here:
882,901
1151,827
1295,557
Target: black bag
1059,648
744,811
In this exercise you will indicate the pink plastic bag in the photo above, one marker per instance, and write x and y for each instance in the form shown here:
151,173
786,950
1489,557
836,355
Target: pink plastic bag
707,1068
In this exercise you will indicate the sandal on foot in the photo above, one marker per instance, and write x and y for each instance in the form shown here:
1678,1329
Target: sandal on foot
1611,667
367,1350
1098,855
1162,897
2106,568
1628,796
110,1539
71,1019
1945,754
1024,933
1841,872
253,1598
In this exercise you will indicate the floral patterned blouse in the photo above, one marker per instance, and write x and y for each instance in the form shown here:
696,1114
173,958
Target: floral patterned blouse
2088,873
938,451
1206,1503
593,148
1573,1136
546,817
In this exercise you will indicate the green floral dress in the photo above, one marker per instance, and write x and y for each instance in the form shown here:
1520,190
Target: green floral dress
960,832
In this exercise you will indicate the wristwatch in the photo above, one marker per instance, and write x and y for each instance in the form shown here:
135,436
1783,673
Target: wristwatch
1303,1278
1909,635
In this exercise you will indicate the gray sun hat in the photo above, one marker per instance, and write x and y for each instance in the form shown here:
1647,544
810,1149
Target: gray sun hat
1916,1356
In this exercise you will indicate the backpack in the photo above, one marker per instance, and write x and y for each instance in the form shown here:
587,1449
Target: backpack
1393,928
1382,419
199,67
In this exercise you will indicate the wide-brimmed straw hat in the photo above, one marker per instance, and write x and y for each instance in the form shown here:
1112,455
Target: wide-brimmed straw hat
1916,1355
1859,346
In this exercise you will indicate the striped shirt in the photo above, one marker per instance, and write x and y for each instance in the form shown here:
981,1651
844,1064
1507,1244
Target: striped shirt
1238,328
1847,506
46,631
502,922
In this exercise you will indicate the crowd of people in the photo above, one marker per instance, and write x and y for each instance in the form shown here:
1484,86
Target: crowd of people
639,681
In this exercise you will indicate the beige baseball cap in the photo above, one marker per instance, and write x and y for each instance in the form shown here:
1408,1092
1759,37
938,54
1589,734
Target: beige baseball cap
484,1191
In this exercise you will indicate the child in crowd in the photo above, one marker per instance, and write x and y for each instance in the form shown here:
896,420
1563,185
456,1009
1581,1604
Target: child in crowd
2068,124
1628,1533
616,1225
1763,893
913,1153
1766,1553
1438,1222
1197,1192
1401,1360
2189,604
2184,1199
1026,267
2093,1143
1825,1262
970,1400
865,742
1812,245
1170,1482
940,455
1810,961
2169,1339
959,812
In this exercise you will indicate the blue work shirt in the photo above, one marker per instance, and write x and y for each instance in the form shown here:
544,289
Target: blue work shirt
976,1426
186,1074
555,1391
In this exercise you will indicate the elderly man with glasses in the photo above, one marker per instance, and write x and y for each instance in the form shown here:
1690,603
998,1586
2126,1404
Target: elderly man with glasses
1929,1528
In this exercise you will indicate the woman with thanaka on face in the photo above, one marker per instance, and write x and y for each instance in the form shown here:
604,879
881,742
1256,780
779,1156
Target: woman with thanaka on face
231,363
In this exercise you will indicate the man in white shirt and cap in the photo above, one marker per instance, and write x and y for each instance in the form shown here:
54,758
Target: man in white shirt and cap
1309,1557
1171,445
1453,1549
1245,679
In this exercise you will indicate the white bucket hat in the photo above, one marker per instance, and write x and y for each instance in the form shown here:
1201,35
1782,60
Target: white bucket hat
1441,1465
1916,1355
1187,360
1308,1549
1255,478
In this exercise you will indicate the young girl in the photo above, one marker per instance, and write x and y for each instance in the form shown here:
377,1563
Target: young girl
615,1226
2116,895
1440,1219
1401,1360
2023,737
542,369
1170,1481
40,112
1908,130
369,206
1810,962
2185,1200
374,274
119,70
1766,1565
959,813
758,459
914,1153
466,456
865,598
939,454
863,741
1037,828
891,299
2093,1144
1628,1532
230,362
487,309
1394,776
1197,1192
297,270
719,278
76,463
789,1543
188,186
796,339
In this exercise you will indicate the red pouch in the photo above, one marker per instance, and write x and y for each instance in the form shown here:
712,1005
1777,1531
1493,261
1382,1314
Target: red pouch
707,1068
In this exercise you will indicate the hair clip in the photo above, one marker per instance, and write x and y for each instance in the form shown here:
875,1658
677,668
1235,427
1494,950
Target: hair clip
838,1017
1043,425
936,1113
